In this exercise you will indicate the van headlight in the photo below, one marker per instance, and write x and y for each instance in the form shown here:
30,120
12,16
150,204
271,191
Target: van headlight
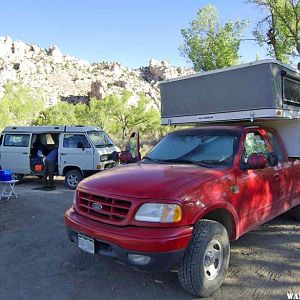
158,212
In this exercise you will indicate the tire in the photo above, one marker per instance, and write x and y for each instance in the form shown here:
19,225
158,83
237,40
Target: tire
206,259
295,212
72,178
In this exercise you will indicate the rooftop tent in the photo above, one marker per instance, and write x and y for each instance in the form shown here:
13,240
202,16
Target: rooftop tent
255,91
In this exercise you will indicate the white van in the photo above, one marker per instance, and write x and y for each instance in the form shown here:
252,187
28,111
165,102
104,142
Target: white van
82,151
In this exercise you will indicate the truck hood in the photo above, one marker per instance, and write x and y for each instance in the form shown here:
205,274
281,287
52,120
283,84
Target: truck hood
148,181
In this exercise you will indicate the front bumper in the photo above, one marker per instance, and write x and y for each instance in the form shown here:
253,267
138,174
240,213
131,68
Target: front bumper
164,246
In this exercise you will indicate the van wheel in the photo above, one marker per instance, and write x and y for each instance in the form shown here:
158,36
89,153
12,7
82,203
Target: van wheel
72,178
206,259
295,212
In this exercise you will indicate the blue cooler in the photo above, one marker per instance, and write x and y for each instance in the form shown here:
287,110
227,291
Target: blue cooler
5,175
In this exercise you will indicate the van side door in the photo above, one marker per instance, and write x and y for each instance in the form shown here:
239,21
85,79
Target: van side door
15,152
75,150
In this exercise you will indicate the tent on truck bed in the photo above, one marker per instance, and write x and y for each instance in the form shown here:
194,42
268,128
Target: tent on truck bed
259,90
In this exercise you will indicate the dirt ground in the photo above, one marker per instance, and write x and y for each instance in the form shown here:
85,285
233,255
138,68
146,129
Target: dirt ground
37,261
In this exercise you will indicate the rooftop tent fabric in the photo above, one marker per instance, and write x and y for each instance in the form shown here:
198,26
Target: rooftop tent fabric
257,86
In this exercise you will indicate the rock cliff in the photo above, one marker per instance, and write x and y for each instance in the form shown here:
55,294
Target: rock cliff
64,77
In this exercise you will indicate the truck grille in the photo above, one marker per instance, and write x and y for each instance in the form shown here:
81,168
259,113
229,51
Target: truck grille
102,208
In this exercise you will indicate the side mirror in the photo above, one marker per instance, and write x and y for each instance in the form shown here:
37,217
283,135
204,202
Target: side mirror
273,159
125,157
256,161
114,156
80,145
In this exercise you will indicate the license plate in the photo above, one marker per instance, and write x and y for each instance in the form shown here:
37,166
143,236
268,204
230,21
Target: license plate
86,244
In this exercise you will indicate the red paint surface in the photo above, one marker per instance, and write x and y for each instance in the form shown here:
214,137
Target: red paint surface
251,197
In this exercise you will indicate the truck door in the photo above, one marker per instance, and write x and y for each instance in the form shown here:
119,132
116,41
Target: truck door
15,152
258,189
283,171
75,150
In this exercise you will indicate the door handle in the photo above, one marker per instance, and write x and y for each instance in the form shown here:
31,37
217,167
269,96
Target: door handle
276,175
63,154
24,152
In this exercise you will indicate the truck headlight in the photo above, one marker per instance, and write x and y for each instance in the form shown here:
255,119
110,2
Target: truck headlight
104,157
158,212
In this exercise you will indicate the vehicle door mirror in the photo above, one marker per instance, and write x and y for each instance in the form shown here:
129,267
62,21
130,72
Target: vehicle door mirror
273,159
80,145
114,156
256,161
125,157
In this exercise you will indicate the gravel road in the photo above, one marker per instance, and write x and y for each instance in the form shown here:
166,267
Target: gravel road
37,261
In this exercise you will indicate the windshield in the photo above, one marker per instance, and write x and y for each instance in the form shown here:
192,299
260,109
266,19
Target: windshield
100,139
203,147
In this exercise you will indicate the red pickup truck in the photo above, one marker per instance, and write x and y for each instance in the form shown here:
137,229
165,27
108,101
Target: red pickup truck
182,203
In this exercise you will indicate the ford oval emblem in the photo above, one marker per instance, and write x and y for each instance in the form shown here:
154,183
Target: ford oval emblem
96,206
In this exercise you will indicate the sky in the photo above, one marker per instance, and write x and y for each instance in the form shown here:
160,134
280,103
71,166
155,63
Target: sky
127,31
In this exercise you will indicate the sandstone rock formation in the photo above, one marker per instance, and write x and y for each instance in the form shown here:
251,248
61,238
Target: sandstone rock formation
97,90
64,77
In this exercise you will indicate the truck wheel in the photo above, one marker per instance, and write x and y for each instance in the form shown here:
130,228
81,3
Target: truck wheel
72,178
295,212
206,259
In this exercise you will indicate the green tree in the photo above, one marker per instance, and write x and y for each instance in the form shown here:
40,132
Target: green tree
279,30
115,114
62,113
20,105
126,117
92,114
208,44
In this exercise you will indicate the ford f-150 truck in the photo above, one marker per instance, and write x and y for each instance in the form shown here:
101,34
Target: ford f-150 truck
196,190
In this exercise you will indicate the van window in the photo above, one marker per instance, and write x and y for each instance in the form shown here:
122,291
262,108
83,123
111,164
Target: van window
16,140
100,139
1,139
76,141
291,92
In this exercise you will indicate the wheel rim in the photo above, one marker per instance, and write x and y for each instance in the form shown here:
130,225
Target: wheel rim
72,180
213,259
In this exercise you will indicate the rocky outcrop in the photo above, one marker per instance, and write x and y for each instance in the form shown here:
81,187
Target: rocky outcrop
5,45
64,77
162,70
56,54
97,90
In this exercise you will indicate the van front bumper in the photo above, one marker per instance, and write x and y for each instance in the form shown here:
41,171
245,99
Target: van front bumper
162,248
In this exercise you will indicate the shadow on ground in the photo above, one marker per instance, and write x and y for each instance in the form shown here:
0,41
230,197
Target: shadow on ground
38,261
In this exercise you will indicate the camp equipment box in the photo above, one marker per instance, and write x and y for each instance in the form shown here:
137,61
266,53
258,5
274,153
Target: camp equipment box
256,91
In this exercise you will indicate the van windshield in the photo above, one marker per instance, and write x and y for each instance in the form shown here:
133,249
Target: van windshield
100,139
204,148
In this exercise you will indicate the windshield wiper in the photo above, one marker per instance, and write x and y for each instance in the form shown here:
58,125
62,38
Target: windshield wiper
185,161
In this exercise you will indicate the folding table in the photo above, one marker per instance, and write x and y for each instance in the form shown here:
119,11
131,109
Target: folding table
8,189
